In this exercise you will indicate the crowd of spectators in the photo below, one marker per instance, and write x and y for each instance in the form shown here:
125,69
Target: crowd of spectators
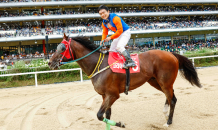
30,31
181,46
90,27
171,25
15,13
23,55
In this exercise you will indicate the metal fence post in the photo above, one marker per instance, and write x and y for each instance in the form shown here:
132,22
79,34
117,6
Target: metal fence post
81,75
36,79
193,61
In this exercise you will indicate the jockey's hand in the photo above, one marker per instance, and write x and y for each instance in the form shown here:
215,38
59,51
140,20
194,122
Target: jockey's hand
107,39
101,43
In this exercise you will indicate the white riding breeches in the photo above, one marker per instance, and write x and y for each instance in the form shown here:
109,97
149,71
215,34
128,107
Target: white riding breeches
119,43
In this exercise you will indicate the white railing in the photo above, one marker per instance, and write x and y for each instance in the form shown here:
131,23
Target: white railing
193,58
40,72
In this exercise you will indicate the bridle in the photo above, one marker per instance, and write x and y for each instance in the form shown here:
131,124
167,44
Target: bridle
68,48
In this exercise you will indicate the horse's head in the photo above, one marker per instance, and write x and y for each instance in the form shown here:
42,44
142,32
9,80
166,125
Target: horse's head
59,55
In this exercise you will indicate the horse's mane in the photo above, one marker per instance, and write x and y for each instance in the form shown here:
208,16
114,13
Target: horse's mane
85,42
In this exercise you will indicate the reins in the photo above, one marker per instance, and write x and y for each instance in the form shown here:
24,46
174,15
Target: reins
98,66
99,71
100,60
81,57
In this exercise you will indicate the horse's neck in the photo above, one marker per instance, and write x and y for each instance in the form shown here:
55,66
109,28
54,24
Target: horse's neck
88,64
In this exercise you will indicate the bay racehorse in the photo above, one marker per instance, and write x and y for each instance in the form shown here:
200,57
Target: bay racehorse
158,68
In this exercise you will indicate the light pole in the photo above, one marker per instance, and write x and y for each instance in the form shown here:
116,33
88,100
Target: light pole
46,40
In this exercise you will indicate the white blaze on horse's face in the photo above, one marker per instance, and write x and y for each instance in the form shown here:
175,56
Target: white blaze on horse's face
104,13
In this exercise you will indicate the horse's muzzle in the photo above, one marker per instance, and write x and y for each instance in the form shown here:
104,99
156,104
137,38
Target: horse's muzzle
53,65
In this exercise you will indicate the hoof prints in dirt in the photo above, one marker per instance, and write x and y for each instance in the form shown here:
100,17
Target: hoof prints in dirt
203,115
155,127
188,93
207,89
80,118
211,86
157,94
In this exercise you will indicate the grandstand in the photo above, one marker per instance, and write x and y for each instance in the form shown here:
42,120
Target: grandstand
154,23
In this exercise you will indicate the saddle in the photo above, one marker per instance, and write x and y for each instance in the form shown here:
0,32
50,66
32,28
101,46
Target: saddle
119,59
116,61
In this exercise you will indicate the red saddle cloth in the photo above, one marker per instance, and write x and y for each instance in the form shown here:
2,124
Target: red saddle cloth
118,66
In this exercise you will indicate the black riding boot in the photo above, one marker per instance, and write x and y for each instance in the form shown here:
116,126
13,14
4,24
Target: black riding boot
129,62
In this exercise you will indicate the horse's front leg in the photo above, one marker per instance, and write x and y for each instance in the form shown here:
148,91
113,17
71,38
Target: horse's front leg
108,100
108,116
108,113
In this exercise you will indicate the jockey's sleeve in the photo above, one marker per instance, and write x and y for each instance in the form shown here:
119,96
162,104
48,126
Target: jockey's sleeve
105,32
119,26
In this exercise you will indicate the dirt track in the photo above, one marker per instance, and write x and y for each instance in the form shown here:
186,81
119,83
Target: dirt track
73,106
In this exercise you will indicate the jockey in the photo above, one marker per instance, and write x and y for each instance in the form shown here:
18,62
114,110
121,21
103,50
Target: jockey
121,36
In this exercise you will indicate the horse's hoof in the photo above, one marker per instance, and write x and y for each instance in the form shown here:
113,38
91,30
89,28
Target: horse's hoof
166,125
122,125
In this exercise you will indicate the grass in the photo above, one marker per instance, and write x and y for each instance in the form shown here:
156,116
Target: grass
201,52
206,62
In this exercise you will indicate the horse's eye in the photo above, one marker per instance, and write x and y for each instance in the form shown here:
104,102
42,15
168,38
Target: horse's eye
61,48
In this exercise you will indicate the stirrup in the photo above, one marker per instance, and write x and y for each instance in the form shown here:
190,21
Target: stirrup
127,65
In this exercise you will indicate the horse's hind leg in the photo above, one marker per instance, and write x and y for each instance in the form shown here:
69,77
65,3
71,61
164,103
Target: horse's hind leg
171,101
165,110
153,82
172,107
166,83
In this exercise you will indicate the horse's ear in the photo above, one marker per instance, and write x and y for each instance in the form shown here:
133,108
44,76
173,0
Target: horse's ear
65,37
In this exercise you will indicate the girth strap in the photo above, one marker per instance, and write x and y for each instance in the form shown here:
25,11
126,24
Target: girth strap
127,81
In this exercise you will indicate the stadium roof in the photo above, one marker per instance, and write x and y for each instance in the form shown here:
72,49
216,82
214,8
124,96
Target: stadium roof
94,2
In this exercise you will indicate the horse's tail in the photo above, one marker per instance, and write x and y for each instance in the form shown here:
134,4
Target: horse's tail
187,70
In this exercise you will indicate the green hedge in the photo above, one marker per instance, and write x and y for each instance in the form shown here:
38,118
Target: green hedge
206,62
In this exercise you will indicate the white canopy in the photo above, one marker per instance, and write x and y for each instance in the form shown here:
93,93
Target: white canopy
77,28
11,32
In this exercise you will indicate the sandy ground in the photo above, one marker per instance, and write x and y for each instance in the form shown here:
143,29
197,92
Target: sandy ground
73,106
